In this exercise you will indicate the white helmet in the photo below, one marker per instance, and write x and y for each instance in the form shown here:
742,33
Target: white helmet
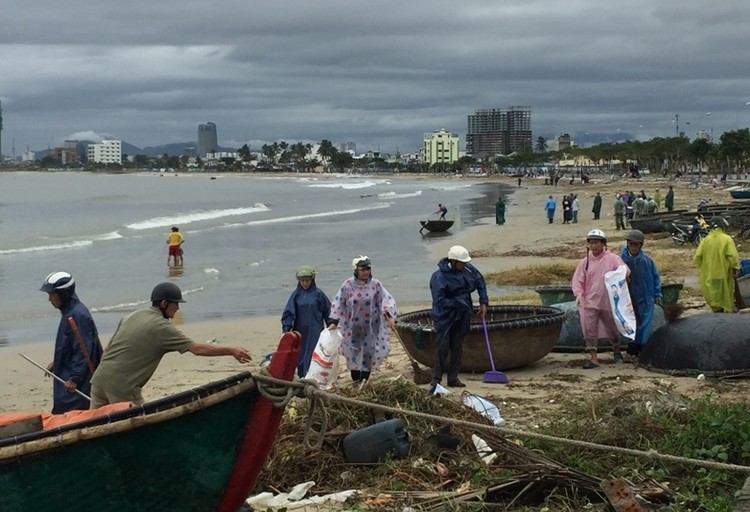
596,234
459,253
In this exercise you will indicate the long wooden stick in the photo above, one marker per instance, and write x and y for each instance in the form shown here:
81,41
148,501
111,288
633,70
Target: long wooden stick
82,345
58,379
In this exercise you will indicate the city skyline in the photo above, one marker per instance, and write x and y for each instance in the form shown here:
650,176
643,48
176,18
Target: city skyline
378,75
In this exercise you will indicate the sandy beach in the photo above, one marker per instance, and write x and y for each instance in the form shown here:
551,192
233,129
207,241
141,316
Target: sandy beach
533,390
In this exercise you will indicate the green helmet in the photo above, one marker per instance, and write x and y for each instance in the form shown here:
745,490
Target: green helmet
306,271
635,235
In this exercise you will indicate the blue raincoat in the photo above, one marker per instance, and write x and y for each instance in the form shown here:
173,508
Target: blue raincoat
308,312
69,361
451,297
645,288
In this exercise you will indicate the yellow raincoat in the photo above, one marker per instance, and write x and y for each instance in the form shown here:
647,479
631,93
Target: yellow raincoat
717,259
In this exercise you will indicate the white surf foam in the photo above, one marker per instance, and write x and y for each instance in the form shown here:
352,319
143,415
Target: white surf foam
346,185
187,218
52,247
393,195
294,218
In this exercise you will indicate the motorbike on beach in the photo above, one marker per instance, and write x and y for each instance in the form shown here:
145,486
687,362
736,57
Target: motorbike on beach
682,234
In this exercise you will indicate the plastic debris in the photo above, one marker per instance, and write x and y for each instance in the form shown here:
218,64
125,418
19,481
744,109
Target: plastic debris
295,499
486,453
485,407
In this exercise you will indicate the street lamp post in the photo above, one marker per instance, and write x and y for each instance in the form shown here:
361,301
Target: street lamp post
738,114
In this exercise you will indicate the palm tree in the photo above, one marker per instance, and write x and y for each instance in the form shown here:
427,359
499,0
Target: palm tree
541,145
327,152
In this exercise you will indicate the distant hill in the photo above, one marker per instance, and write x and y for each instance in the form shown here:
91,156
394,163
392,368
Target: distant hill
174,149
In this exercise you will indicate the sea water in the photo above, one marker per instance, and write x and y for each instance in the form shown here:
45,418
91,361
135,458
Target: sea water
245,236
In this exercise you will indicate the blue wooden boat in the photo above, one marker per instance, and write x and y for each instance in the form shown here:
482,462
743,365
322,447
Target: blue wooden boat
740,194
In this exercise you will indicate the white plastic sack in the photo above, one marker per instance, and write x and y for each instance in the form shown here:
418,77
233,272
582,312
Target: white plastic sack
486,453
619,301
324,366
485,407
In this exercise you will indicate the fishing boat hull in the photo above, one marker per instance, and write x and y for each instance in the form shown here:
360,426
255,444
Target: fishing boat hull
200,450
436,225
519,335
740,194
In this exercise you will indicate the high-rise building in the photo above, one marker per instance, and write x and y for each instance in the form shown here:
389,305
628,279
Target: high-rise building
440,147
494,131
106,152
207,139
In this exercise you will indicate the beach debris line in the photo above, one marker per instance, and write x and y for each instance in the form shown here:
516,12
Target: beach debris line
434,473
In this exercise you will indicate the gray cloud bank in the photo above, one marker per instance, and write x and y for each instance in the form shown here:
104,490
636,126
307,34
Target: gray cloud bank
379,74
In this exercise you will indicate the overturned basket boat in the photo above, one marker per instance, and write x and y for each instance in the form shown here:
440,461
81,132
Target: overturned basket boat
199,450
519,335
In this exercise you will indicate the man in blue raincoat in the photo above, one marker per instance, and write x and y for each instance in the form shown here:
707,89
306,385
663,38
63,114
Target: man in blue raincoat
307,311
451,286
75,359
644,286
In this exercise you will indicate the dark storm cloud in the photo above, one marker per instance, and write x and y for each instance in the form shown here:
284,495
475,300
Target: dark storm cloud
379,74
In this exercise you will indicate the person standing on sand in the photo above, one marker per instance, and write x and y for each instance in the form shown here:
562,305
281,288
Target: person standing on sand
500,211
307,311
597,208
644,286
669,199
549,208
566,209
575,205
451,286
175,241
365,311
75,358
592,296
141,339
657,198
620,209
719,264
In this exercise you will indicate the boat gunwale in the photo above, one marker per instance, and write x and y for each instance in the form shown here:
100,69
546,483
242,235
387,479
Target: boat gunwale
157,411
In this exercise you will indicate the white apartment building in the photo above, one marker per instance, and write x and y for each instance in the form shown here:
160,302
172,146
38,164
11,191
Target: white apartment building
440,147
106,152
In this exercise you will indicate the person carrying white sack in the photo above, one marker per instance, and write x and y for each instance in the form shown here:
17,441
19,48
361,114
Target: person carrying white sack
592,296
365,312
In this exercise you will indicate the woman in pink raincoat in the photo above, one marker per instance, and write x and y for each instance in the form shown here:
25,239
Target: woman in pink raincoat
592,296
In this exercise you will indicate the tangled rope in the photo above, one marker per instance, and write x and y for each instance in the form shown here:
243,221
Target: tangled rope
309,389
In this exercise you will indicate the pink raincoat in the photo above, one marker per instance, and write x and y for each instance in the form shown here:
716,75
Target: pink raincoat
592,294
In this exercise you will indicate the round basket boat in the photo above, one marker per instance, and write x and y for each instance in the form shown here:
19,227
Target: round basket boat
519,335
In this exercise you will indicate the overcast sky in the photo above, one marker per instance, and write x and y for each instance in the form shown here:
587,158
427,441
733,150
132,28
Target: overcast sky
379,74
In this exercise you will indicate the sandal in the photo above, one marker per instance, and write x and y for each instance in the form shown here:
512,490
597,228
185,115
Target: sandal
589,365
617,358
